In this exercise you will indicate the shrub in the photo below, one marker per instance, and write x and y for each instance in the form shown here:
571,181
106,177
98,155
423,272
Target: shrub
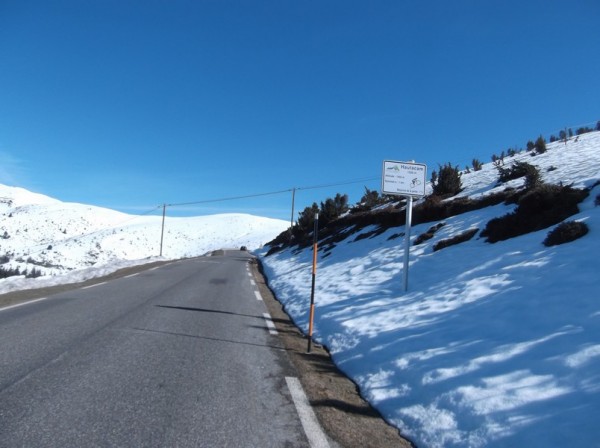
563,135
35,273
429,234
461,238
9,272
306,217
520,169
333,208
447,181
369,200
477,165
542,207
540,145
533,178
530,145
566,232
584,130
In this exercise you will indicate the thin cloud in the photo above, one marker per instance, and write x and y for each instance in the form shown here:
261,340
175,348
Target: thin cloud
12,171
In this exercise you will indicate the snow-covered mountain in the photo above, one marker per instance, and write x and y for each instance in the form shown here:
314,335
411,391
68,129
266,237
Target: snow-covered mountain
55,238
494,345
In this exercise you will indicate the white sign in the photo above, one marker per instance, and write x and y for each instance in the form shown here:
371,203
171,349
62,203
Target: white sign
403,178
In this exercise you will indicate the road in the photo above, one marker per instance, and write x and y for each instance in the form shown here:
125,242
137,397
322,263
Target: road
177,356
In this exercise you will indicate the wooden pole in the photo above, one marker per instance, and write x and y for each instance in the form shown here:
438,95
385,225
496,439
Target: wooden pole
162,232
293,201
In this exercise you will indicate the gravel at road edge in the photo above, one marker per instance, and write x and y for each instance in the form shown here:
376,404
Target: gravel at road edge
342,412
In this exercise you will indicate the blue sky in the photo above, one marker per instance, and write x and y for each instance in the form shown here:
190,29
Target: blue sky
131,104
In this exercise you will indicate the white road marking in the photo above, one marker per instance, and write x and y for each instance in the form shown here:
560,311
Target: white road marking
131,275
93,286
249,274
21,304
252,282
258,296
314,433
270,324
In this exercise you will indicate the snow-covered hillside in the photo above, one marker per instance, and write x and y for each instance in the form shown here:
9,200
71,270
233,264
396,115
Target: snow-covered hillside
55,238
493,344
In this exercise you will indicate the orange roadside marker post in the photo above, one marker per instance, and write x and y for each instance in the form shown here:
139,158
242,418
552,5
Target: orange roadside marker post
314,276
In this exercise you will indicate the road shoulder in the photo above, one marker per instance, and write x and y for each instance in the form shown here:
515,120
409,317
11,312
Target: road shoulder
343,413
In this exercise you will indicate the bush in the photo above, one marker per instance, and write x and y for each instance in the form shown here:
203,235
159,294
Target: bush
584,130
333,208
35,273
9,272
532,175
429,234
540,145
477,165
447,182
306,219
542,207
369,201
461,238
530,145
566,232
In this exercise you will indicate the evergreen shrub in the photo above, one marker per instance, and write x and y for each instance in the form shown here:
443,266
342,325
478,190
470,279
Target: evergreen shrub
566,232
542,207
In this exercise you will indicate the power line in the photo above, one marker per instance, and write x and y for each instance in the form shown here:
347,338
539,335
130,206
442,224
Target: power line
356,181
271,193
229,198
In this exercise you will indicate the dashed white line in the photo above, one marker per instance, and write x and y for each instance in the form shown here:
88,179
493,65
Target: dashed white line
270,324
21,304
131,275
258,296
252,282
93,286
314,433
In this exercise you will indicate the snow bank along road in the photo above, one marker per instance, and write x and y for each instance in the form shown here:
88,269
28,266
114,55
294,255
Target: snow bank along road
181,355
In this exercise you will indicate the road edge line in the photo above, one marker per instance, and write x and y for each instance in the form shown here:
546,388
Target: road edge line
314,433
270,324
22,304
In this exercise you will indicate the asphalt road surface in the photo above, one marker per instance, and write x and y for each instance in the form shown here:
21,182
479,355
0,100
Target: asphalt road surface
178,356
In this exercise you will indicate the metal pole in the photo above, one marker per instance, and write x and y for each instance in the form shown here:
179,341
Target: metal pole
162,232
409,202
314,275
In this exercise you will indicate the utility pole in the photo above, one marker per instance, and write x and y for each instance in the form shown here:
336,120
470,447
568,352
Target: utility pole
162,232
293,201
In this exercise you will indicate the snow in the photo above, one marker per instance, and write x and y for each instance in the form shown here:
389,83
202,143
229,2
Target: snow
70,242
493,344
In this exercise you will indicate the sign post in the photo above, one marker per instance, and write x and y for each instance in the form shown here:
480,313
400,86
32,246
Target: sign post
404,179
